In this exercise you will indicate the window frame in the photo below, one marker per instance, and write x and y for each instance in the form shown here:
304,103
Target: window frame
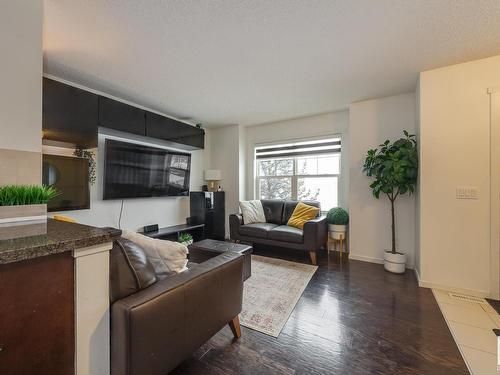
295,177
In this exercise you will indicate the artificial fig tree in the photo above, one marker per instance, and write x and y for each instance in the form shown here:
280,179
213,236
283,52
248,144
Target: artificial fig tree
394,168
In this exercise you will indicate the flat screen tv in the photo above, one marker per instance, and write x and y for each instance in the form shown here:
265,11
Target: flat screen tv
137,171
70,176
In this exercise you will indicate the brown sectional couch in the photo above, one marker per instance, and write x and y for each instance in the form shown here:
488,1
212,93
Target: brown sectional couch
157,321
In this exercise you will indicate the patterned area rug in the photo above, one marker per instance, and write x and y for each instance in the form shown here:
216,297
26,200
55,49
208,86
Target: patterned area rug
271,293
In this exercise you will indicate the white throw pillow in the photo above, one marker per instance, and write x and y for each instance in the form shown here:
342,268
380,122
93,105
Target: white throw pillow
252,212
165,256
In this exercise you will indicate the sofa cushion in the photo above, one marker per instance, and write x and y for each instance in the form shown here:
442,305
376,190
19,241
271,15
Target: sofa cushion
259,230
302,213
273,210
130,269
165,256
289,206
286,233
252,212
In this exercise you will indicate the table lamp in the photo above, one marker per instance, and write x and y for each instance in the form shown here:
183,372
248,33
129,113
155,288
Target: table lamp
213,177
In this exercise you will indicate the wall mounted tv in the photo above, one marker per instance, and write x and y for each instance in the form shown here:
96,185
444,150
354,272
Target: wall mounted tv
137,171
70,176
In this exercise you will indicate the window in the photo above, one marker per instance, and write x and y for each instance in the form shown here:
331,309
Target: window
302,170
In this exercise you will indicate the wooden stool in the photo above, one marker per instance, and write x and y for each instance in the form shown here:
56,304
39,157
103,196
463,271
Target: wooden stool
341,240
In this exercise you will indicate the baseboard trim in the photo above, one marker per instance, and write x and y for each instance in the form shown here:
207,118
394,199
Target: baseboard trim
368,259
470,292
364,258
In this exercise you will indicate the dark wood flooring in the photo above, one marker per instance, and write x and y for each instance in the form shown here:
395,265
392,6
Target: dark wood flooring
495,304
353,318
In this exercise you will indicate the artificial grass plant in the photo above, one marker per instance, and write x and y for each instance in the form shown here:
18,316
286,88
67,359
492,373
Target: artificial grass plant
19,195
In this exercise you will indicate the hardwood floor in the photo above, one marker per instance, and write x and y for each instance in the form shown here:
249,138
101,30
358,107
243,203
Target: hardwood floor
353,318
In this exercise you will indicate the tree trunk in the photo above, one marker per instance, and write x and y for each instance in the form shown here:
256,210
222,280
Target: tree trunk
393,228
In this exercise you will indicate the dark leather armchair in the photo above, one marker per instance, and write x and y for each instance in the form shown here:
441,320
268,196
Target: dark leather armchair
158,321
275,232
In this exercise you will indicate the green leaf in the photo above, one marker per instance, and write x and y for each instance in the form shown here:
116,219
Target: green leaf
393,167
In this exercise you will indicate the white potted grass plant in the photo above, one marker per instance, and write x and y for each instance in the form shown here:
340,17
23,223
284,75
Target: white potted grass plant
394,168
337,218
23,209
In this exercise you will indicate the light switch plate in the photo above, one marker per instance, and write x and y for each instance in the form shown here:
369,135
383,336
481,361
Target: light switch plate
467,192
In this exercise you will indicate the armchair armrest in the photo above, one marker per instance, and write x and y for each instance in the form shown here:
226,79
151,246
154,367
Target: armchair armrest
235,221
315,233
163,324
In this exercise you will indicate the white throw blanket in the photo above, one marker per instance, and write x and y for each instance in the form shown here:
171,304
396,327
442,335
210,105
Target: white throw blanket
165,256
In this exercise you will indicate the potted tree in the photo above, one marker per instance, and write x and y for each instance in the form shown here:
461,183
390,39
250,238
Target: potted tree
394,168
337,219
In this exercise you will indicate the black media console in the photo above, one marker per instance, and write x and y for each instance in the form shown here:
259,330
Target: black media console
172,233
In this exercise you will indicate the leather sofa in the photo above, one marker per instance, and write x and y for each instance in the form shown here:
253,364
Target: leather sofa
157,321
275,232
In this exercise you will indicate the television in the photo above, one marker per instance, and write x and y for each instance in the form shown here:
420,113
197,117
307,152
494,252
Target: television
137,171
70,176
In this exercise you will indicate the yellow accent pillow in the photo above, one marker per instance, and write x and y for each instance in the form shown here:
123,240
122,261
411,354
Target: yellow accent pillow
302,213
64,218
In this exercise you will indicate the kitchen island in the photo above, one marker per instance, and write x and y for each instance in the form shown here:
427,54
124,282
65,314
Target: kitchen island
54,301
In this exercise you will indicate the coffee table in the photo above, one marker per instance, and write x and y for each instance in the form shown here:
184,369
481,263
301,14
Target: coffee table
203,250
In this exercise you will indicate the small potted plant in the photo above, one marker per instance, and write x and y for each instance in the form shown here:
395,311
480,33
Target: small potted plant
337,218
394,167
186,239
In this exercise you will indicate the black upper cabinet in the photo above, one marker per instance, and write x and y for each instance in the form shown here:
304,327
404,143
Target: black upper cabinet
174,131
120,116
73,115
69,114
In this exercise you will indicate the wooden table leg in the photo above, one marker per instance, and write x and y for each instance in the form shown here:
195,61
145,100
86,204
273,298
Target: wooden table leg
341,245
235,327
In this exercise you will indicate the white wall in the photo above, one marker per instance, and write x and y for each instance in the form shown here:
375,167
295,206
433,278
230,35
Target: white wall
334,123
21,92
242,163
370,123
164,211
455,144
417,191
225,156
21,75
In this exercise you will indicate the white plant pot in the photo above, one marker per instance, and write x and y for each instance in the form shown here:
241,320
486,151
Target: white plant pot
395,263
187,243
336,231
23,221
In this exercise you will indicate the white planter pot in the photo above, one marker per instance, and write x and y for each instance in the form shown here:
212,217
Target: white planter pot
187,243
23,221
395,263
337,230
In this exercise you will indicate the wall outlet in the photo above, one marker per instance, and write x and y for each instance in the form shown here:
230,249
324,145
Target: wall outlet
467,192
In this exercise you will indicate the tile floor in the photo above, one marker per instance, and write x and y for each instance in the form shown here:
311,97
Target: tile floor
471,325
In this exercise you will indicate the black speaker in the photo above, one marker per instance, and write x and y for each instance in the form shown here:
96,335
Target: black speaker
150,228
209,209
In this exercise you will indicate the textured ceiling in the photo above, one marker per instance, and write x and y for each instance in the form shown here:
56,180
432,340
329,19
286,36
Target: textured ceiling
248,62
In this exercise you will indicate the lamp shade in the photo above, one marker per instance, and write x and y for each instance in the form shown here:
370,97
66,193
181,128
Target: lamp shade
213,175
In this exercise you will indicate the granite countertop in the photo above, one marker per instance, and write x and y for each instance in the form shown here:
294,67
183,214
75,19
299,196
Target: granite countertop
61,236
